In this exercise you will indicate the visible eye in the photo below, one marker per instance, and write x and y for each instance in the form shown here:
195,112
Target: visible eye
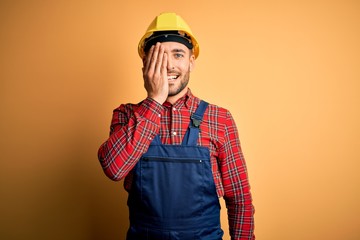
178,55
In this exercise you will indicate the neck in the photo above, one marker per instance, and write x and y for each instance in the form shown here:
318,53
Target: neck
173,99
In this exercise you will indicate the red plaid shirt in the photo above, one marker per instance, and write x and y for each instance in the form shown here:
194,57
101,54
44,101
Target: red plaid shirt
134,126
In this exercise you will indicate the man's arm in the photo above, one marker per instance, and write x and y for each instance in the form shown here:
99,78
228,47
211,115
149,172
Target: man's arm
132,130
236,185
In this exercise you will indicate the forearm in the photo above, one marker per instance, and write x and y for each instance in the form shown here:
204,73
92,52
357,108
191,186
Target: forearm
129,140
240,216
236,186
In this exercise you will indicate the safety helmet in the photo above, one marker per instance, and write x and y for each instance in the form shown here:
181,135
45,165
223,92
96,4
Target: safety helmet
168,22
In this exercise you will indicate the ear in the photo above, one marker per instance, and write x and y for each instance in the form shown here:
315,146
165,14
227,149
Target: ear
192,62
143,60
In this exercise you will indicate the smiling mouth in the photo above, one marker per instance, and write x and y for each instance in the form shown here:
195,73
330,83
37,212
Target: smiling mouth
172,77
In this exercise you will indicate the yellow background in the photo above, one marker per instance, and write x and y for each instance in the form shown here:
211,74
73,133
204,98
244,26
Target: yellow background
289,71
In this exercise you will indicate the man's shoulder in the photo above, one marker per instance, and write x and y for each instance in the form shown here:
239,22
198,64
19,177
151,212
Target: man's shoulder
147,108
128,106
125,107
214,109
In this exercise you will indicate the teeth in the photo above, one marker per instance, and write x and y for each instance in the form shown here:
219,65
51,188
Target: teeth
172,77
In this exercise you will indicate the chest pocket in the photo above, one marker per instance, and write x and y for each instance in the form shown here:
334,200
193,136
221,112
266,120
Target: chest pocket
173,186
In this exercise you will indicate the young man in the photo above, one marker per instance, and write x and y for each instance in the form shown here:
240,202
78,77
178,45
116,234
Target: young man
177,153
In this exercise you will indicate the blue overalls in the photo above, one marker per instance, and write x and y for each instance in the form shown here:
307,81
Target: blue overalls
173,195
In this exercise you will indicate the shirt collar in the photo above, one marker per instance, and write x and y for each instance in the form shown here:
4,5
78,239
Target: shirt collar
187,100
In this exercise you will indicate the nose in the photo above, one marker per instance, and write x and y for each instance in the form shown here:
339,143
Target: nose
170,65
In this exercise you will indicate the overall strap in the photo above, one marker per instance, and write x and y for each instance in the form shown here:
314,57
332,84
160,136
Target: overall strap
192,134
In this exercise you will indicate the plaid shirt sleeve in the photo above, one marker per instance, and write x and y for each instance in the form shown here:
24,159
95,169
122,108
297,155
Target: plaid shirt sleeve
236,185
132,129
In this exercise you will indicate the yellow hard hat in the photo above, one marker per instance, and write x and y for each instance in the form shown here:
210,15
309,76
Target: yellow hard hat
169,23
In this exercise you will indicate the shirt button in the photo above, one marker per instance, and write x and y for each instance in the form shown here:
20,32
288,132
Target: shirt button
159,115
174,109
174,133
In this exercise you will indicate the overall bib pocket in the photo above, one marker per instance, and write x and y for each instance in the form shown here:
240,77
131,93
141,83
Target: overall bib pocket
172,174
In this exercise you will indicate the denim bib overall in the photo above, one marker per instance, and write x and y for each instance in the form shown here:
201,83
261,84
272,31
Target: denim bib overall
173,195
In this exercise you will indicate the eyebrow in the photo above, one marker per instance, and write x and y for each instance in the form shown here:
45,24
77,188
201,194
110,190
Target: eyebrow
178,50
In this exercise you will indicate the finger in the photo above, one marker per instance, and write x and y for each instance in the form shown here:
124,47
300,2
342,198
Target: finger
154,58
164,65
147,60
159,61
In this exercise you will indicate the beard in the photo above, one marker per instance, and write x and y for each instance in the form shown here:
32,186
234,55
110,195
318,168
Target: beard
183,83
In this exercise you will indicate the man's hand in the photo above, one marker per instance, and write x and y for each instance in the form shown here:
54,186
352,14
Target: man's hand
155,73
